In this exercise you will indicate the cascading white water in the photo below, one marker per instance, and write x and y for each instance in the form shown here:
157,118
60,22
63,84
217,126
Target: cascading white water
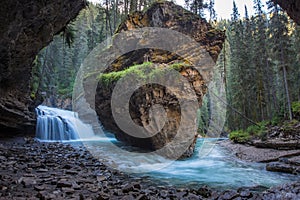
54,124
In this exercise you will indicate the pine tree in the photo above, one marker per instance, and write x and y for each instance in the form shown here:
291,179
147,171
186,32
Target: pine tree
296,63
279,36
196,6
263,83
211,9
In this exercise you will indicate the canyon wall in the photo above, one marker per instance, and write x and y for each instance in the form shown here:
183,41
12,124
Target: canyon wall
26,27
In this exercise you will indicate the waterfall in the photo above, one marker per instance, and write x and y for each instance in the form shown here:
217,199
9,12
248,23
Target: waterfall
54,124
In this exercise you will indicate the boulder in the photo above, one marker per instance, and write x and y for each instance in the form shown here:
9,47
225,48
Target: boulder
282,167
147,101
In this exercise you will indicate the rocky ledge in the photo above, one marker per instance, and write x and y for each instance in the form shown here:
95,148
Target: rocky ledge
33,170
286,161
169,16
276,145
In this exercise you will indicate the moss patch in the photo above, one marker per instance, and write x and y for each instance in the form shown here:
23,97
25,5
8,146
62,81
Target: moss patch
145,71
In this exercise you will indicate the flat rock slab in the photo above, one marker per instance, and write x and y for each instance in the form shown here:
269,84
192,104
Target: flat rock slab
253,154
276,144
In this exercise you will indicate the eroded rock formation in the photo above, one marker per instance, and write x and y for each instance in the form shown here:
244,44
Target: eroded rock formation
26,27
143,102
292,7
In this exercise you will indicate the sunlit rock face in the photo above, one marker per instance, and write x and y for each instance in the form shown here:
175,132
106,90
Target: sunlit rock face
26,27
292,7
155,107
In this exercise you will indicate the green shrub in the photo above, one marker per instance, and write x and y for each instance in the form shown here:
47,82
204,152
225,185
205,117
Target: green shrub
253,130
276,121
288,126
296,109
258,130
239,136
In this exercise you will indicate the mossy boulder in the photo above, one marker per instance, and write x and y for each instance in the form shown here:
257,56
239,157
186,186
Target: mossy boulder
157,64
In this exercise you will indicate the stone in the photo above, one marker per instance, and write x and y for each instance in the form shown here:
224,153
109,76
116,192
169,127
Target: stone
42,170
68,190
128,197
128,188
71,172
180,195
101,178
292,7
245,193
64,183
171,16
141,197
93,189
193,197
103,196
204,191
227,195
27,182
39,187
280,167
67,166
163,193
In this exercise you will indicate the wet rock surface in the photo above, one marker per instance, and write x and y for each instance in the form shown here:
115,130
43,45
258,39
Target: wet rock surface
33,170
26,27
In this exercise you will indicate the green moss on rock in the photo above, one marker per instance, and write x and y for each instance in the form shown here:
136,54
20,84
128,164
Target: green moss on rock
144,71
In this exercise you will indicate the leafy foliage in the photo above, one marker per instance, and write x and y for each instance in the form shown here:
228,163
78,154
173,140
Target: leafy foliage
258,131
239,136
296,109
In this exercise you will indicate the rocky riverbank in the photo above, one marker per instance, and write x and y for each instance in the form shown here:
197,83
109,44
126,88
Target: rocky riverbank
286,161
33,170
277,145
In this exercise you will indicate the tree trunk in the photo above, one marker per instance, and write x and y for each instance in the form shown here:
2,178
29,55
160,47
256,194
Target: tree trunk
126,8
287,93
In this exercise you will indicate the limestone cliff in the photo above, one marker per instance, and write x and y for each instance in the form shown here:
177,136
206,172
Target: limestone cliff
292,7
170,16
26,27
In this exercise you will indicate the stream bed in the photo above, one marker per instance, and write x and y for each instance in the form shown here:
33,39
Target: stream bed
216,168
210,165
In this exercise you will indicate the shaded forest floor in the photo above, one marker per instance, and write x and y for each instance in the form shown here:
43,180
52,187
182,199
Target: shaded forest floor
33,170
